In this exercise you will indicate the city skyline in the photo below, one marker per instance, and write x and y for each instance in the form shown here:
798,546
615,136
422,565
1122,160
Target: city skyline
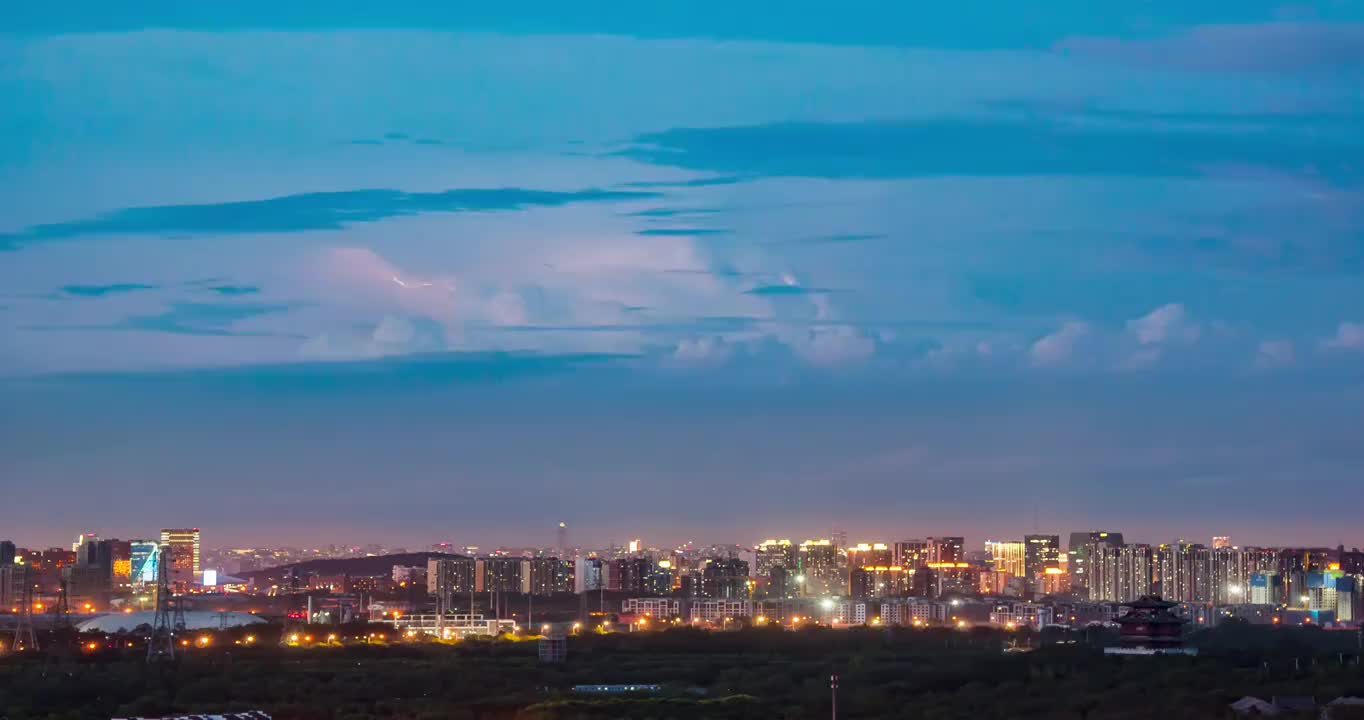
690,270
646,542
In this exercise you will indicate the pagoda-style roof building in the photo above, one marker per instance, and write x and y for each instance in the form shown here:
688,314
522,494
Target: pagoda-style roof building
1149,623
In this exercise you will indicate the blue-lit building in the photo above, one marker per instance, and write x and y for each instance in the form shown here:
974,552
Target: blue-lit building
146,557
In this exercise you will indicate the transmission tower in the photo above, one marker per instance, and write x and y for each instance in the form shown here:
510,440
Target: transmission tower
24,637
161,643
179,604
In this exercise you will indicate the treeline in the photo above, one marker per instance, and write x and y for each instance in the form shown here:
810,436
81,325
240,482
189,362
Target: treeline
758,673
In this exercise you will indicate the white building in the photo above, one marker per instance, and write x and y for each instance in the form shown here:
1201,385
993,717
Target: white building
1023,615
653,607
719,610
911,611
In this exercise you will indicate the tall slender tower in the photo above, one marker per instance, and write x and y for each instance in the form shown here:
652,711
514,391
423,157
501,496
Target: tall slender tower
24,637
562,541
161,643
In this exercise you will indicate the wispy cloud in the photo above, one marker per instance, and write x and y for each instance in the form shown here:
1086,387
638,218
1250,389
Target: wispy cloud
187,318
1260,47
681,232
310,211
102,290
831,239
790,290
234,290
975,146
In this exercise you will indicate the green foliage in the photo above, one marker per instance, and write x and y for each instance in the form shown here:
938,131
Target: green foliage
757,673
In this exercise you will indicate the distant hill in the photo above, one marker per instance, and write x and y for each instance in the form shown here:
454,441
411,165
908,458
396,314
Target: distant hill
375,566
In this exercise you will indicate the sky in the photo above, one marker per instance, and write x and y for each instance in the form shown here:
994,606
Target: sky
414,272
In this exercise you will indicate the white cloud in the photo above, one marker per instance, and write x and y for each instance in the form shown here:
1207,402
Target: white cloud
830,345
1057,348
1349,336
394,335
1274,354
713,350
1166,324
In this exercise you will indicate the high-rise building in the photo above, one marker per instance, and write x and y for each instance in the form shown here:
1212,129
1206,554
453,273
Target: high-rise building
13,578
588,575
910,554
7,552
180,553
91,579
498,574
771,554
1230,576
1266,589
1185,572
1006,557
1039,553
144,557
120,552
546,576
449,578
819,568
864,554
946,549
1080,553
82,539
561,540
725,578
1120,573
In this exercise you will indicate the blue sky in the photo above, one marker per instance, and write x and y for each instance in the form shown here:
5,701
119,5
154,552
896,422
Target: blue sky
682,270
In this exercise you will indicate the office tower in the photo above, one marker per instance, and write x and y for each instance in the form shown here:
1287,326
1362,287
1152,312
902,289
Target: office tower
910,554
1220,541
1039,553
82,539
819,568
771,554
7,552
180,553
561,540
1080,553
1006,557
